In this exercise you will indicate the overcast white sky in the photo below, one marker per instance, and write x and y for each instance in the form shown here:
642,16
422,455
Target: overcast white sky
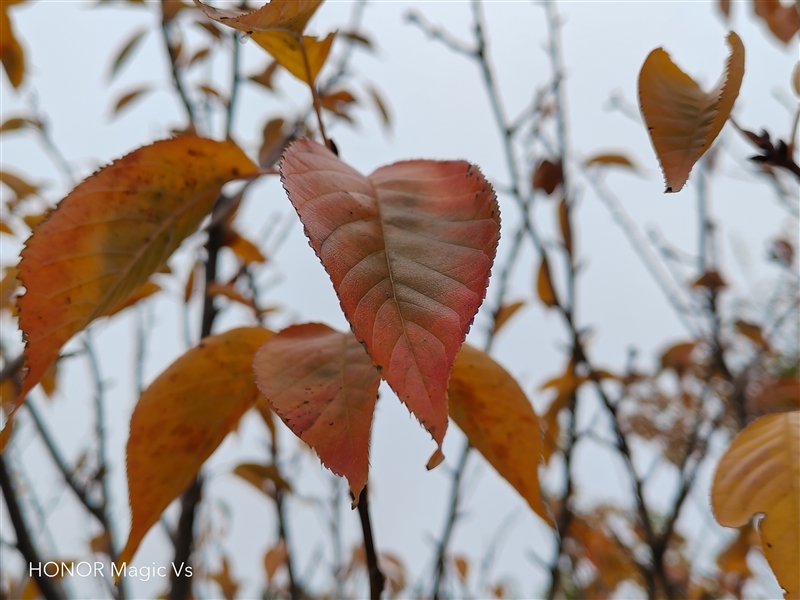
440,111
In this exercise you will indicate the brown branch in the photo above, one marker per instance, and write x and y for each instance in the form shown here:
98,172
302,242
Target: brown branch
377,580
181,584
47,585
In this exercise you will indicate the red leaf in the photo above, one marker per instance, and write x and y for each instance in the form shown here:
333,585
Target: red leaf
409,250
324,387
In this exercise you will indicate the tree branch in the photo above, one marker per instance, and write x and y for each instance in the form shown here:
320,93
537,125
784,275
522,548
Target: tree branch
47,585
376,578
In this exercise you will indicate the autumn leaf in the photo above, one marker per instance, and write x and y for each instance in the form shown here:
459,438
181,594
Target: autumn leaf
565,225
147,289
782,19
491,409
322,384
11,53
760,473
409,250
243,248
277,27
608,160
16,123
274,558
226,583
505,312
108,236
21,188
289,51
258,476
682,119
544,284
265,77
182,417
548,176
126,52
274,139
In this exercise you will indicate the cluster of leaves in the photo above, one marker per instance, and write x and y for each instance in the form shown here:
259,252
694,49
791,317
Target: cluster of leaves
409,251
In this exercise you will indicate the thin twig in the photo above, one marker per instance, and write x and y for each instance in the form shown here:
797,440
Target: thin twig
175,70
377,580
47,585
235,82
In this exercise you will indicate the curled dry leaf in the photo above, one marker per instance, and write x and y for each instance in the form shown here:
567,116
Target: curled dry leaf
760,473
409,250
108,236
182,417
258,476
682,119
265,77
322,384
491,409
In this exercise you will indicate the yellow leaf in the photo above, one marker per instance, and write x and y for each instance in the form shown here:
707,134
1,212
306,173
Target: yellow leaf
505,312
752,332
678,357
275,139
4,228
462,566
8,285
286,49
491,409
760,473
230,292
111,233
544,284
19,186
11,53
181,419
604,160
682,119
246,250
258,475
15,123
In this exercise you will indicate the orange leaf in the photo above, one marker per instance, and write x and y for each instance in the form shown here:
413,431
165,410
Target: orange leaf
275,558
226,583
462,566
182,417
4,228
491,409
734,558
246,250
682,119
409,250
678,357
711,280
752,332
544,284
230,292
505,312
8,285
265,77
322,384
760,473
108,236
11,53
604,160
49,380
